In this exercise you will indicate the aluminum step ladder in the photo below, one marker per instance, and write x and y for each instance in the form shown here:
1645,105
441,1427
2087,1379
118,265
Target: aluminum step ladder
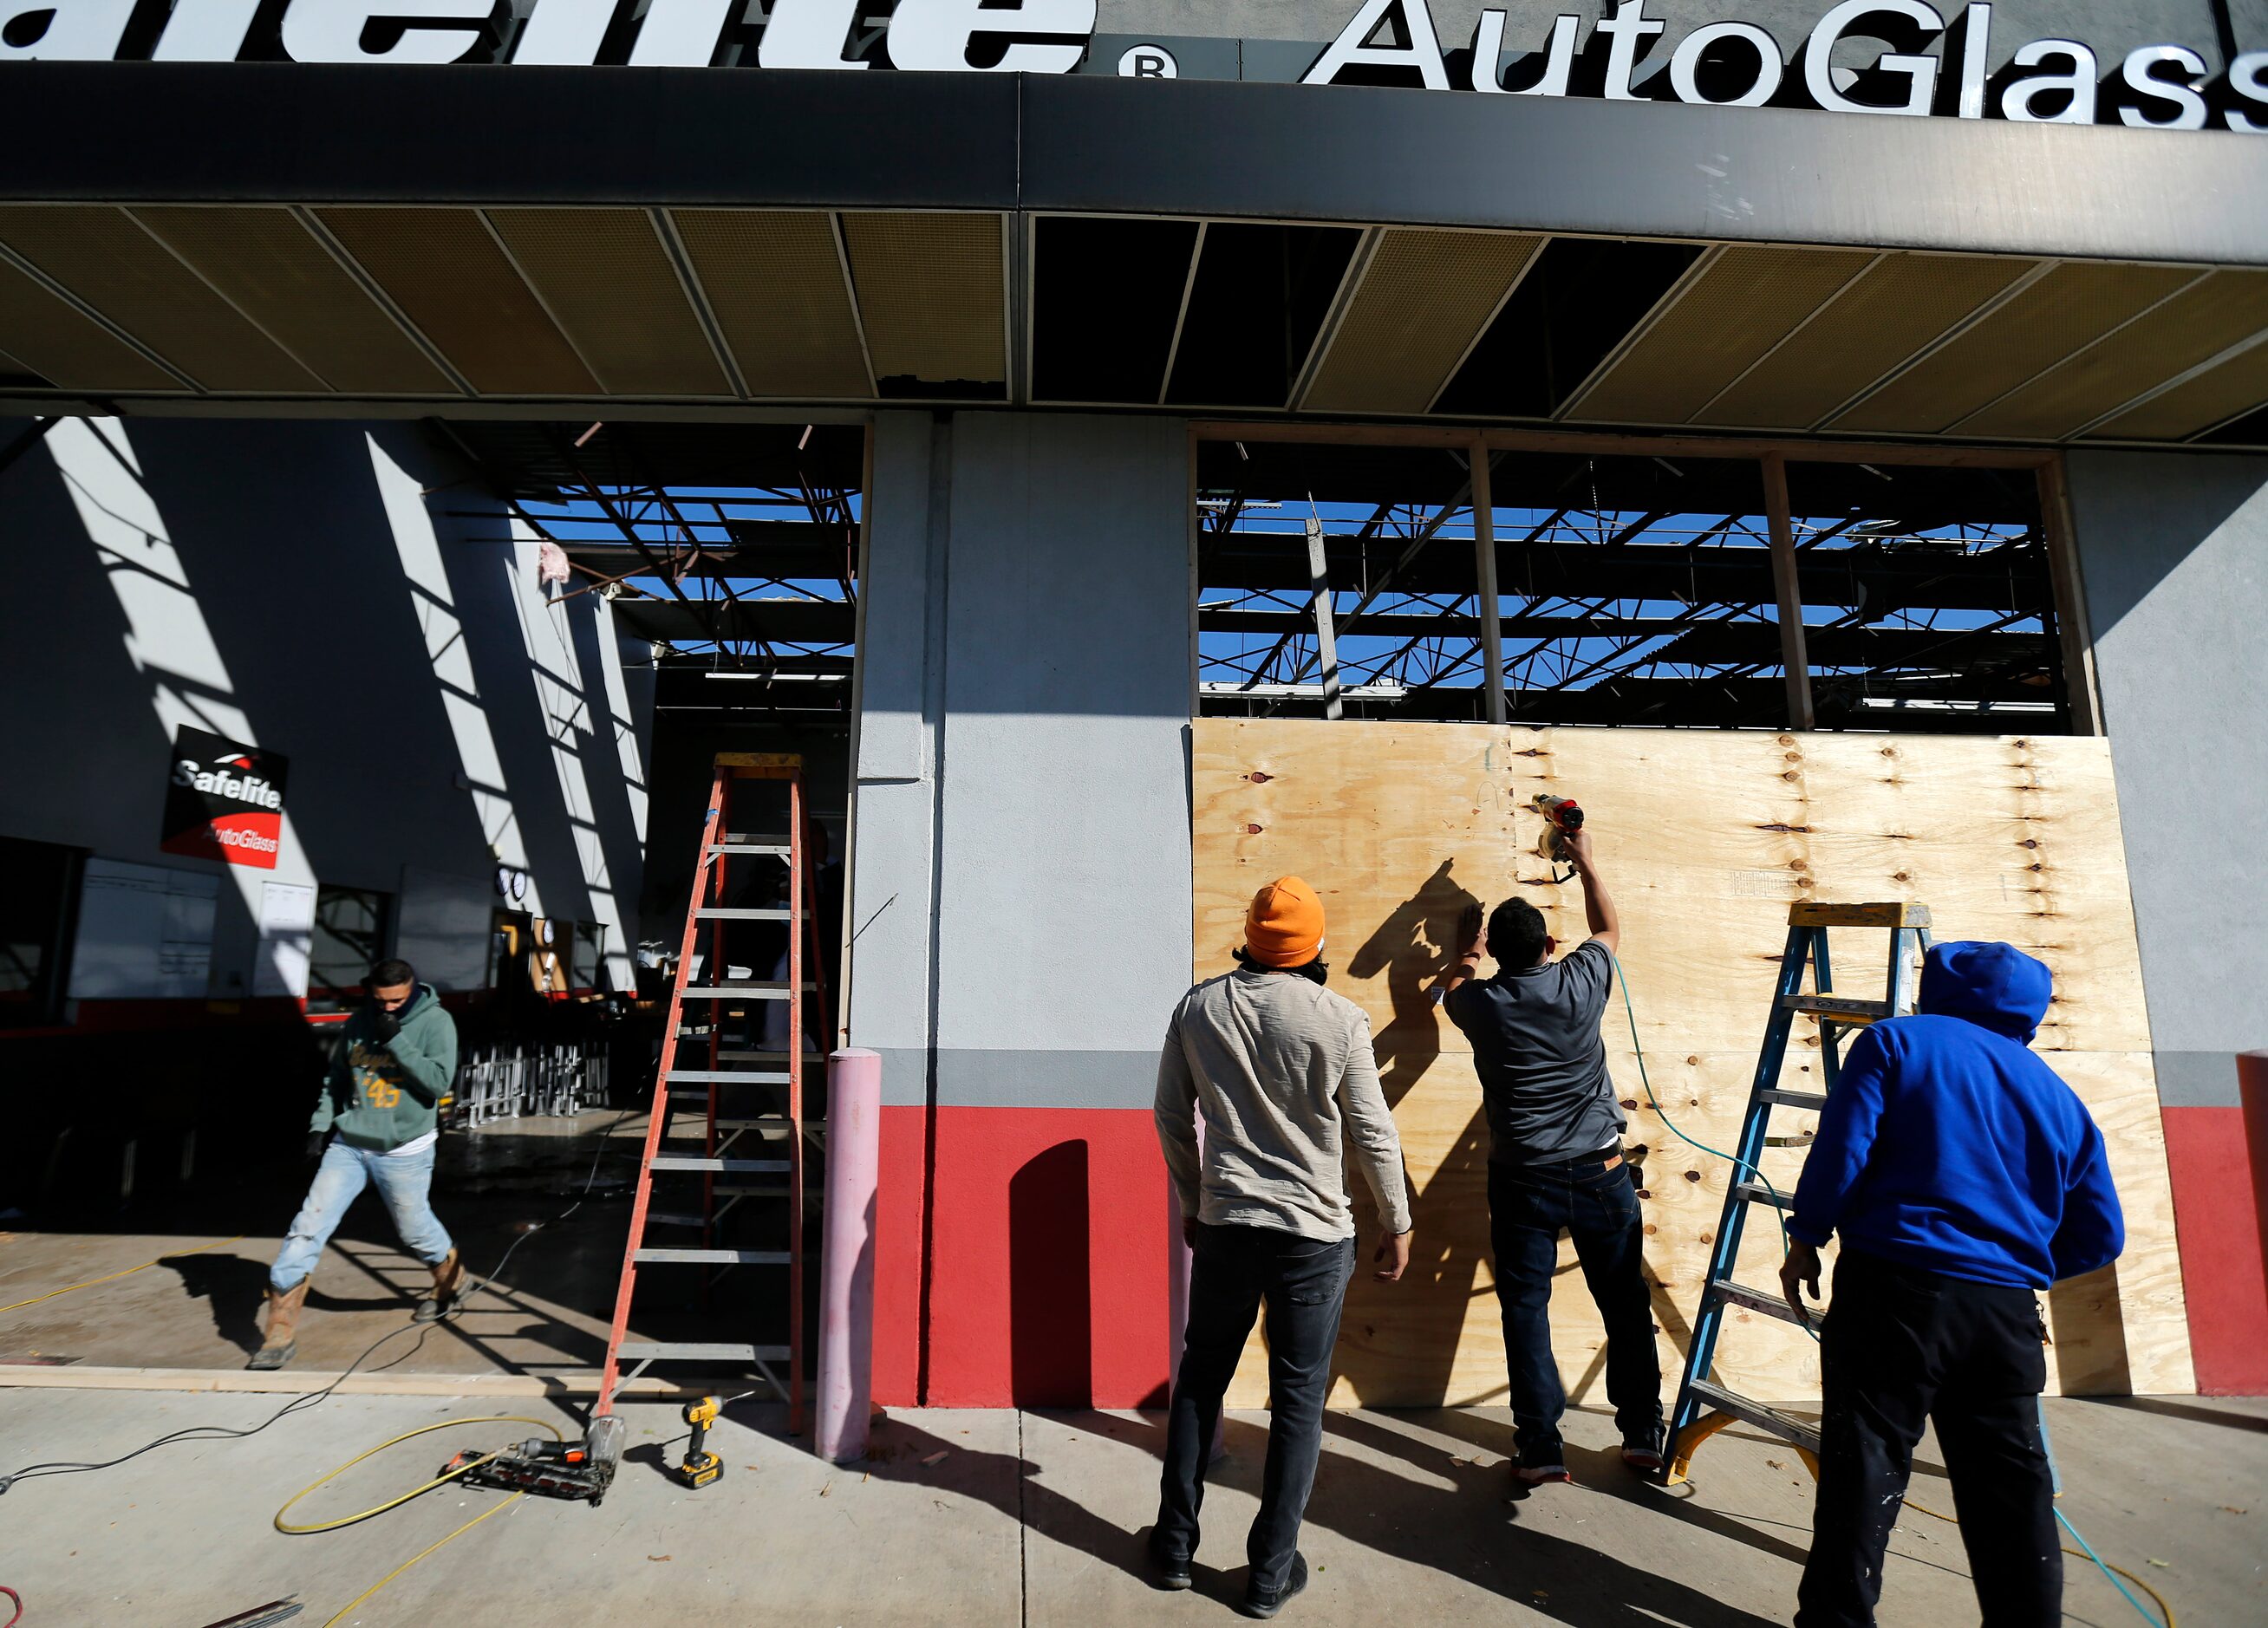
742,1106
1705,1407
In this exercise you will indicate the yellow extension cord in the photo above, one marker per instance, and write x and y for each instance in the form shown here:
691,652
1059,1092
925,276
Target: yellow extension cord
129,1273
442,1479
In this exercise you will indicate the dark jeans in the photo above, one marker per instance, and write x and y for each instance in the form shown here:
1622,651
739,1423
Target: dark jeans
1901,1346
1529,1205
1303,1283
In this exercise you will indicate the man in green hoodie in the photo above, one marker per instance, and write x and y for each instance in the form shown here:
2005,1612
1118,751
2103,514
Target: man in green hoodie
373,1124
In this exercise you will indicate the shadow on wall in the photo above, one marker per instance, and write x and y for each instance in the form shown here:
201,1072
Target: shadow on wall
1051,1294
1400,1340
2128,541
285,583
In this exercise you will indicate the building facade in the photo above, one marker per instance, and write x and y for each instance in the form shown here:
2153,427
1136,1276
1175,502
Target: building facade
1082,282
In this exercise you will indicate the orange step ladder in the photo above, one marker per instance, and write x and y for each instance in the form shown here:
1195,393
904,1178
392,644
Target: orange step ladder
744,1102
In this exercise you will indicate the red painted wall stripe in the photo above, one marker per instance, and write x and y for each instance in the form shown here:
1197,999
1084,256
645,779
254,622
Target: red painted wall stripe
2216,1219
1049,1251
899,1197
1049,1248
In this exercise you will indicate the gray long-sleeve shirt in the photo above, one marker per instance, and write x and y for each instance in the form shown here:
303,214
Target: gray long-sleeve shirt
1283,1072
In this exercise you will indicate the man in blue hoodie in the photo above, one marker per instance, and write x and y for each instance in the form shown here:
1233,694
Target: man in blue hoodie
1964,1177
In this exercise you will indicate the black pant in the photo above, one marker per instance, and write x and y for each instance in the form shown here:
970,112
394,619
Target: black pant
1901,1346
1304,1284
1529,1205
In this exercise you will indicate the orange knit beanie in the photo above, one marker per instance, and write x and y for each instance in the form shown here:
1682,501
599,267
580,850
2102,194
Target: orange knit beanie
1284,927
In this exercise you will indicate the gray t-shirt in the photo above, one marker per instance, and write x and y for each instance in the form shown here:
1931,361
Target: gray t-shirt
1542,1065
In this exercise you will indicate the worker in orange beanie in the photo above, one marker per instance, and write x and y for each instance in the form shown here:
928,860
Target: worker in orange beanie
1283,1071
1284,929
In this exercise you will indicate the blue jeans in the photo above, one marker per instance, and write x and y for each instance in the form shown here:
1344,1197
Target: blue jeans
402,1183
1529,1205
1303,1283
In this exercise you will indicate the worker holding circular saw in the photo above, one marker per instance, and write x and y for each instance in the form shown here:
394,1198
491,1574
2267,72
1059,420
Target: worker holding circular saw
1963,1177
1556,1159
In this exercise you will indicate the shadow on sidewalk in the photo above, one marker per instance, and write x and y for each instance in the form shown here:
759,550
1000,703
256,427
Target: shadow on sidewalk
1474,1531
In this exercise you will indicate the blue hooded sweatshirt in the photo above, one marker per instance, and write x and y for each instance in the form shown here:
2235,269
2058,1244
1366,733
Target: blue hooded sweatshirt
1947,1145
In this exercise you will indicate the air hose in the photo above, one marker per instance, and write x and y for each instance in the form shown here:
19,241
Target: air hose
443,1479
2086,1551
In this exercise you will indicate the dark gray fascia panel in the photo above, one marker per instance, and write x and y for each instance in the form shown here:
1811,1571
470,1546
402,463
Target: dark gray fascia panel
464,134
285,132
1643,169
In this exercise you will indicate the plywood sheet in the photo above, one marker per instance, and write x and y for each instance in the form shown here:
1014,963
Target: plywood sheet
1705,838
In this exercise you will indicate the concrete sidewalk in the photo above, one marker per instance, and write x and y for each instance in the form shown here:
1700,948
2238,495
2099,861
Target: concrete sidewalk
1000,1517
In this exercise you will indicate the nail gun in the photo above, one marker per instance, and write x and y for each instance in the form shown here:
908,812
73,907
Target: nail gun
1562,819
572,1469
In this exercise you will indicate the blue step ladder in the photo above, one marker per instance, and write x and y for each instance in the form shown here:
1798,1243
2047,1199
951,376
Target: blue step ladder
1705,1407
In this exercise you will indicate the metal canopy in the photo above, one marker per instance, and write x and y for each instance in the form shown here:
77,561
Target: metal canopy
279,239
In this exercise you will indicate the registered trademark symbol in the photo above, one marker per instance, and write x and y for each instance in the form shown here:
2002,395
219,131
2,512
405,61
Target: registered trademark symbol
1148,62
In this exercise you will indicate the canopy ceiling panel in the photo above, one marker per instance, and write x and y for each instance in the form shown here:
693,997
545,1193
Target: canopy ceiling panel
2070,307
1108,299
1728,315
2198,324
1252,309
272,269
105,258
932,297
777,281
449,275
258,306
67,348
2212,397
1892,311
607,279
1424,299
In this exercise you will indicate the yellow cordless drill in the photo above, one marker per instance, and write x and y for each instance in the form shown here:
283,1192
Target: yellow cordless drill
701,1466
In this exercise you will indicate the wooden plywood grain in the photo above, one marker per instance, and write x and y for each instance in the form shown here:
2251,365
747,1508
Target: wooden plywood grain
1707,839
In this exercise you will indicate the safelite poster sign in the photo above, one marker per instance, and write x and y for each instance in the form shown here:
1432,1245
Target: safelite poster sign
223,800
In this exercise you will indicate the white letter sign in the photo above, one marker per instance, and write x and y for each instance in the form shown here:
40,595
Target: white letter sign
1423,53
933,35
330,30
1921,71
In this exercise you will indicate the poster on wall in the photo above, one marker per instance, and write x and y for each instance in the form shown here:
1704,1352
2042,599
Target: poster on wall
144,934
287,934
444,927
223,800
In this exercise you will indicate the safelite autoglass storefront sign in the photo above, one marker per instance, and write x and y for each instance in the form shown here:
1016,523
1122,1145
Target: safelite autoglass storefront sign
223,800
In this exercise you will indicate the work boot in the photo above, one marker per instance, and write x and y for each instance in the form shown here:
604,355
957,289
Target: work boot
448,1278
1260,1602
281,1338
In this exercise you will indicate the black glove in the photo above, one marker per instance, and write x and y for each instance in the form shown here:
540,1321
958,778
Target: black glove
384,1025
316,1142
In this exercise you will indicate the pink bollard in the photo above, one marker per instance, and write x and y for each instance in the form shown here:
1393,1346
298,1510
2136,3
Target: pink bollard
846,1262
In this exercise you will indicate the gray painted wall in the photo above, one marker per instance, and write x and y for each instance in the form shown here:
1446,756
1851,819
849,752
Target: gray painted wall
306,585
1020,880
2174,554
